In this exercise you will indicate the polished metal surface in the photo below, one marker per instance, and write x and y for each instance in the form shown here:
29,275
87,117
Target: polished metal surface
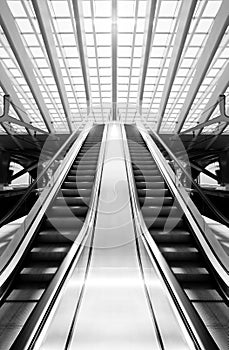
116,305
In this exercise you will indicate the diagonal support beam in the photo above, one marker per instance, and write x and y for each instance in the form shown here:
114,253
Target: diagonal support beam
114,45
7,87
148,45
223,117
221,86
5,117
78,15
12,34
186,13
45,20
218,29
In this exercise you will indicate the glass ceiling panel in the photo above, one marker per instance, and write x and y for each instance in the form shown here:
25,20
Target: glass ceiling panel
96,49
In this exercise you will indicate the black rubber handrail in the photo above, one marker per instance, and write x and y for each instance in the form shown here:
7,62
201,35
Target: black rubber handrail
220,217
9,216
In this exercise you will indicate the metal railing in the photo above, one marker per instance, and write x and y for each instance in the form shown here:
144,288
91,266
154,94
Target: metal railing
56,158
180,170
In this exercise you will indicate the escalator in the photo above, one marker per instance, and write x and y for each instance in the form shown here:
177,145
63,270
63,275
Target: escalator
175,238
58,229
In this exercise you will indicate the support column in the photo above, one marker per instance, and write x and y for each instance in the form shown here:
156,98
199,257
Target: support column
4,168
224,169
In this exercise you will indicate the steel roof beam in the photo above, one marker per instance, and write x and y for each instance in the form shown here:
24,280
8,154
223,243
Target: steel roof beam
221,86
78,16
185,17
7,87
45,20
218,29
148,45
12,34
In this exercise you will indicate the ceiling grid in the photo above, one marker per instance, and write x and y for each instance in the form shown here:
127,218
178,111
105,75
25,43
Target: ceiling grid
120,59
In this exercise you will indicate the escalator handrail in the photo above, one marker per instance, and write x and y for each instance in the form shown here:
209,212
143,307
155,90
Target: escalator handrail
192,323
222,219
23,236
35,325
9,216
210,246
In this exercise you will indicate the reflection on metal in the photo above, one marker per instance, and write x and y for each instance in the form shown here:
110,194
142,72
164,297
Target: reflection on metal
217,31
13,36
5,117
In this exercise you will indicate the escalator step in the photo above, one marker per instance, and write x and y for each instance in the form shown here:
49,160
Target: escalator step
174,236
38,274
64,223
72,201
149,211
66,192
156,201
58,237
162,192
165,223
79,185
147,178
81,172
195,275
47,252
83,167
78,178
65,211
151,185
180,252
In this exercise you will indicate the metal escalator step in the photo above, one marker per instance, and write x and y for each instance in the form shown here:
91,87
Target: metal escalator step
177,252
81,172
49,252
27,292
85,160
156,201
59,223
65,211
149,211
78,185
142,157
71,201
174,236
38,273
90,153
86,157
145,172
162,192
197,275
148,178
165,223
83,167
79,178
54,236
91,146
150,184
67,192
136,166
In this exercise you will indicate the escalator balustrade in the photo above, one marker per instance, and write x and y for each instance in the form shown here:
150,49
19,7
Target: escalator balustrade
58,230
170,230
